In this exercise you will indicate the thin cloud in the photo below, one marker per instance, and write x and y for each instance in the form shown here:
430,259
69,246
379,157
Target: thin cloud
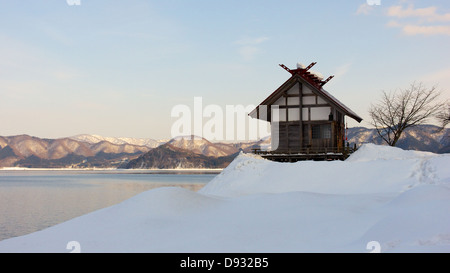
364,9
411,29
251,41
429,14
249,47
426,30
393,23
249,52
423,17
342,70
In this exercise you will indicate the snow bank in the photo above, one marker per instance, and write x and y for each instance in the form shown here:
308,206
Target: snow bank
401,199
371,152
372,169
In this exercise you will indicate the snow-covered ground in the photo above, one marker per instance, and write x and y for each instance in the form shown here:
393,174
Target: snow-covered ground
399,199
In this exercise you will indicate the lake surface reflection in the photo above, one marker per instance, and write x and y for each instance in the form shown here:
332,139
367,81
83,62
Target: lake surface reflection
32,200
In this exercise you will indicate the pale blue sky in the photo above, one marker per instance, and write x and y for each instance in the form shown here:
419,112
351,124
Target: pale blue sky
116,68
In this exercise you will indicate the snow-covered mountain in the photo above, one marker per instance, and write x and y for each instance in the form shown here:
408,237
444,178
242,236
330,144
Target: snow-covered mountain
94,139
421,138
170,157
193,152
29,151
94,150
202,146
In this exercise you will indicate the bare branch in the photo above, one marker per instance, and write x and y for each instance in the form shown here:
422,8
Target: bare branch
444,116
406,108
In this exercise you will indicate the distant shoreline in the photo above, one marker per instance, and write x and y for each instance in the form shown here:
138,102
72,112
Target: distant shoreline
118,171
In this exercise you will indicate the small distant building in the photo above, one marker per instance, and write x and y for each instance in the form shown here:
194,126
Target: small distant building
307,122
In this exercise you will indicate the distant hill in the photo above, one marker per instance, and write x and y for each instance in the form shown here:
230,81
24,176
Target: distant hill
93,139
85,151
192,152
168,156
33,152
420,138
202,146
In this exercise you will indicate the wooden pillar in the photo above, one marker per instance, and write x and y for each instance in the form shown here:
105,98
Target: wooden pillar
286,116
333,138
309,135
300,122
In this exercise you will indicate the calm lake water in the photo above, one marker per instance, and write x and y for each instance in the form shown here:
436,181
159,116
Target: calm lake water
31,200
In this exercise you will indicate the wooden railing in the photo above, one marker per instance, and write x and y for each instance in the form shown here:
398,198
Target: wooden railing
344,152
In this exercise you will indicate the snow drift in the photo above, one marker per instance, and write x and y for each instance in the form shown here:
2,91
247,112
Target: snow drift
400,199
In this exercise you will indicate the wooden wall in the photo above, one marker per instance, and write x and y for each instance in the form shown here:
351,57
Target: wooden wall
302,119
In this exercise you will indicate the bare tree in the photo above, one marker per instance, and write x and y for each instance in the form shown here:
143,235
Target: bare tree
444,116
402,109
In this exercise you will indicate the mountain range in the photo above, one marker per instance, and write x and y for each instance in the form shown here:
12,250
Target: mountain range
93,139
420,138
34,152
93,151
88,151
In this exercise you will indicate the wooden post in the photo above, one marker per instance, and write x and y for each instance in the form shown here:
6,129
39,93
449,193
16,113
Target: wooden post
286,116
300,122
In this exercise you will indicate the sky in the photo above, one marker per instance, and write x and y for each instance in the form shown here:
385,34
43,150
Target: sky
118,68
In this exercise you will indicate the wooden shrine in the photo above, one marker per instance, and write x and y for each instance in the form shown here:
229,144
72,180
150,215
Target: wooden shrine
307,122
